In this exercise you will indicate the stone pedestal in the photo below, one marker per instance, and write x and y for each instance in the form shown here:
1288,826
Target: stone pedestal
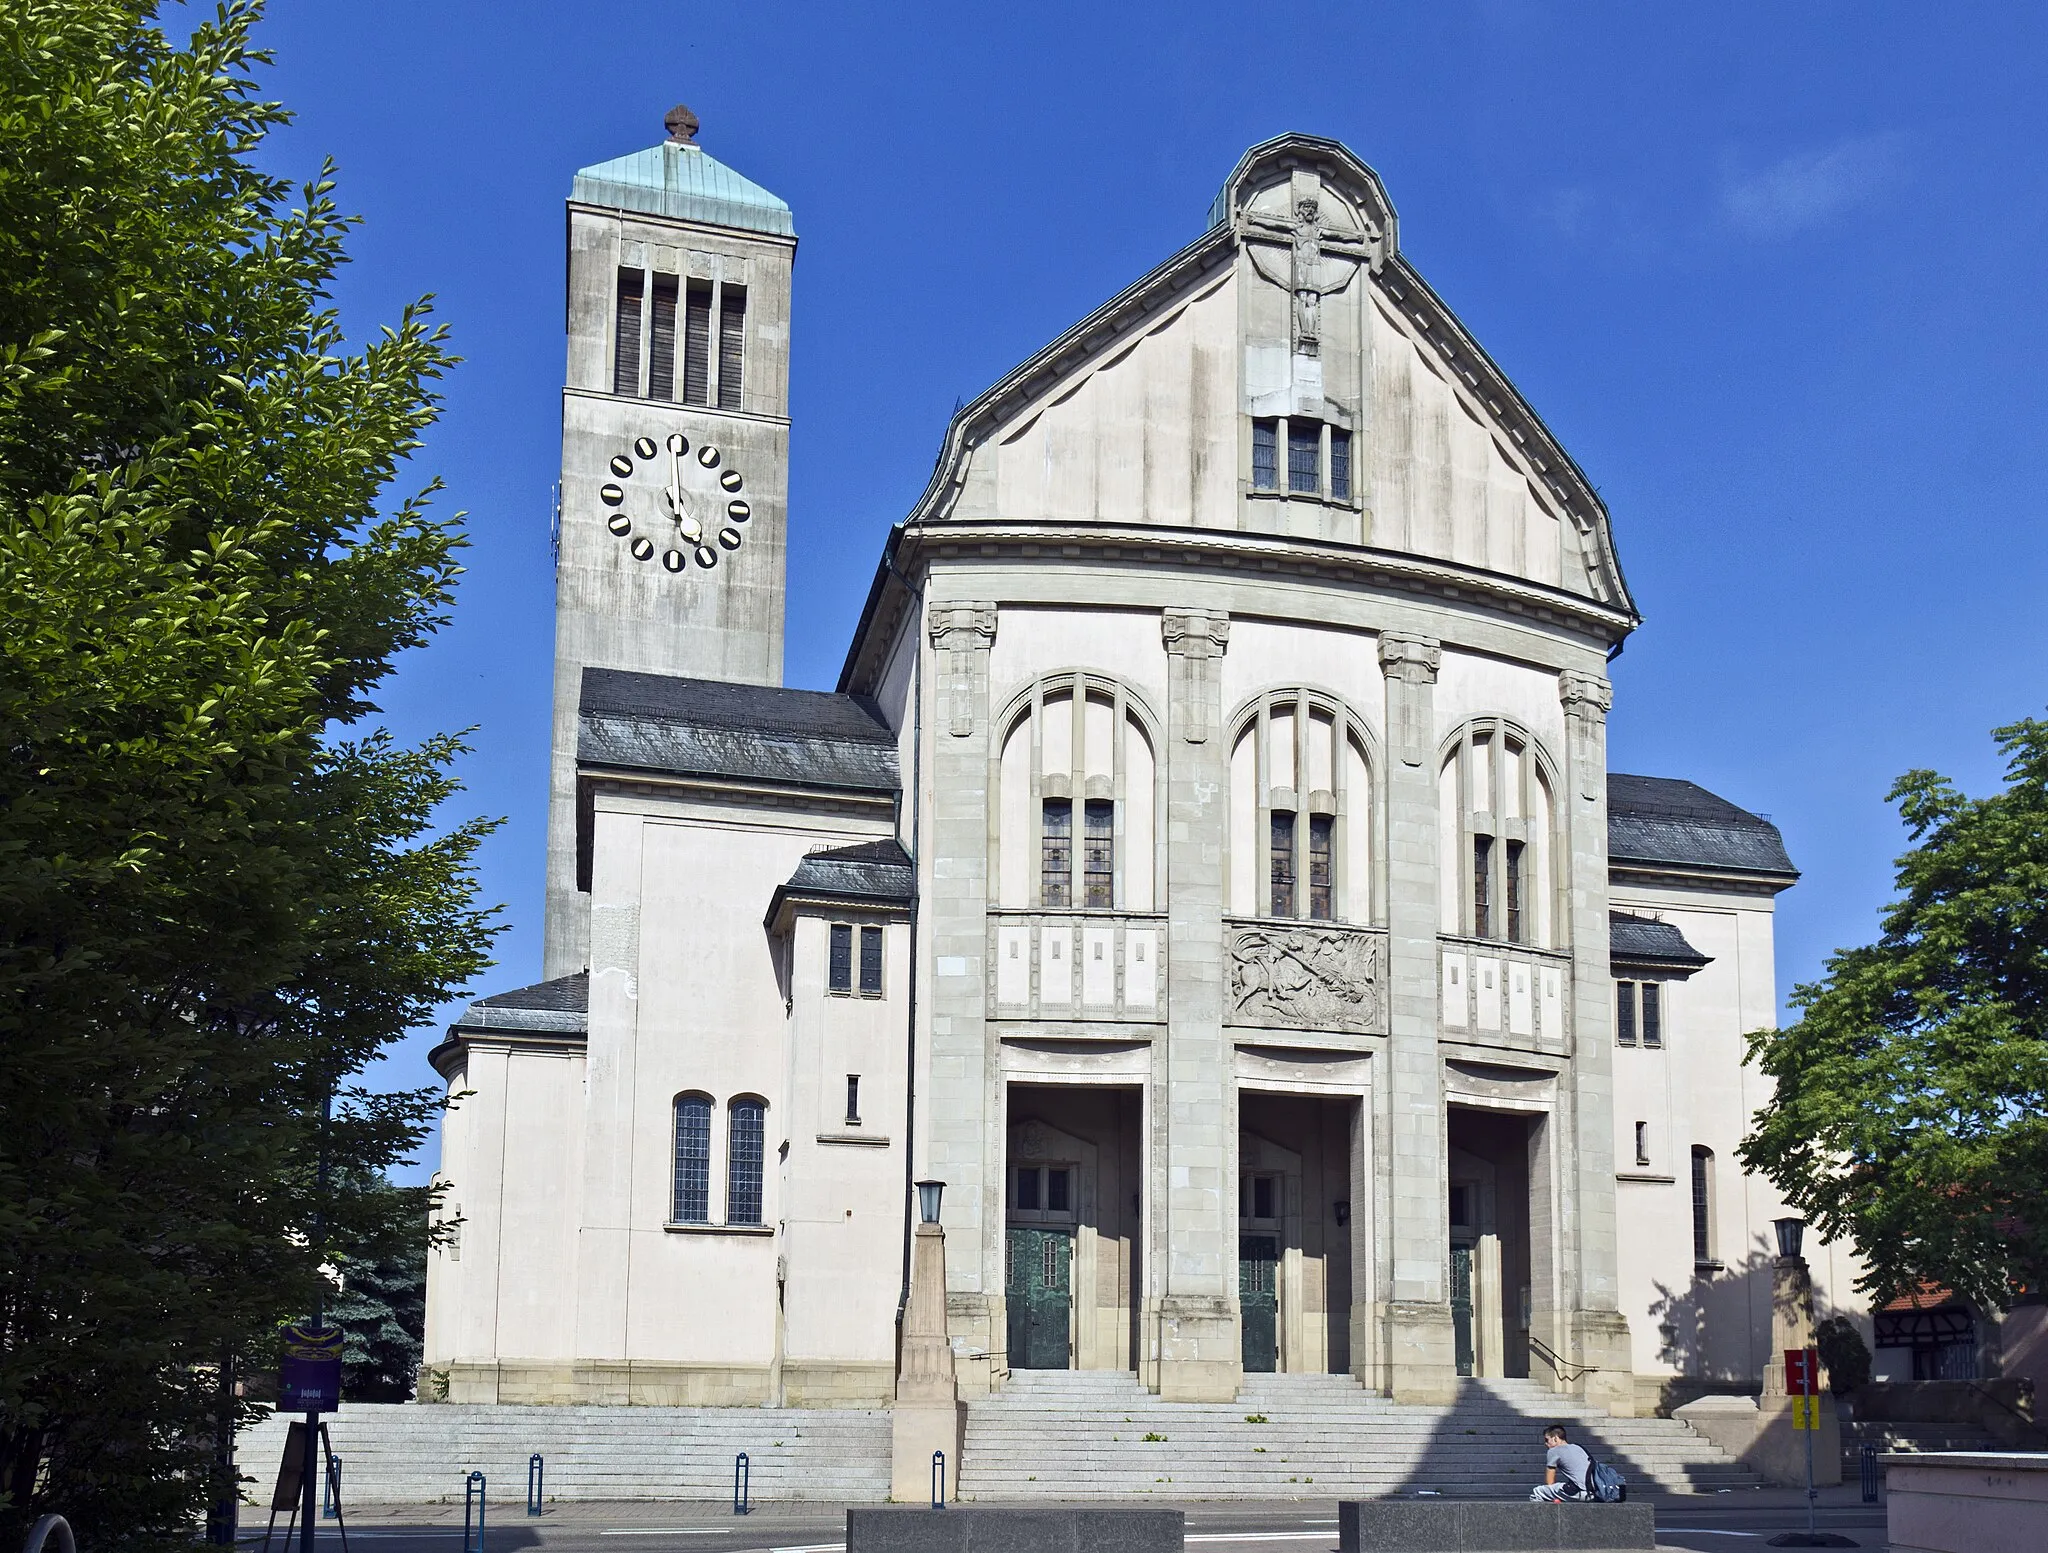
928,1415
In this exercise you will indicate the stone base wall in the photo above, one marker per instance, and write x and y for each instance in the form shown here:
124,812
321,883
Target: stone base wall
652,1383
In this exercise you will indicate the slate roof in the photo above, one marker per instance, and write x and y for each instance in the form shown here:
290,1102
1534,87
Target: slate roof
1666,823
1642,943
763,733
874,873
685,182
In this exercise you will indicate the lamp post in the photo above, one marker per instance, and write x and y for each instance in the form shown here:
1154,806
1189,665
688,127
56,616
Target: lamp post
928,1195
1791,1234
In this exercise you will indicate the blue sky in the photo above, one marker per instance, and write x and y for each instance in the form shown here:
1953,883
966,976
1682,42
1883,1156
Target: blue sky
1773,272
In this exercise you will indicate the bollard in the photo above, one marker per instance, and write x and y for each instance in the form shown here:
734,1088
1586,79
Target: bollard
1866,1458
742,1476
536,1482
938,1480
330,1494
473,1494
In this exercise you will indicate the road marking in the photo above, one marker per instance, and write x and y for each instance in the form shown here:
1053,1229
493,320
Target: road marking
1706,1531
1262,1536
666,1531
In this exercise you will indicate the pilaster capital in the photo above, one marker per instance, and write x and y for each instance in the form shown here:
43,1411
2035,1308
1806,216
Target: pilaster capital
1195,633
1585,695
1409,658
962,627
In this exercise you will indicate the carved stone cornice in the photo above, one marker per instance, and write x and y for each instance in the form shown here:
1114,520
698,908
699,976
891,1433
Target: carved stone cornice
1195,633
1414,660
963,627
1585,695
1195,641
964,633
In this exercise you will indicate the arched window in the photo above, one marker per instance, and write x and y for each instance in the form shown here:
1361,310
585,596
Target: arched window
1496,866
1077,782
745,1134
692,1203
1703,1205
1300,811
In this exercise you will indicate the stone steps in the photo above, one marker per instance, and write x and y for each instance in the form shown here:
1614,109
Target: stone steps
1081,1434
393,1453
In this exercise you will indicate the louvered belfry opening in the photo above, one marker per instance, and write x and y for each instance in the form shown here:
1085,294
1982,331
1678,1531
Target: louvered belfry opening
697,345
661,346
732,333
626,338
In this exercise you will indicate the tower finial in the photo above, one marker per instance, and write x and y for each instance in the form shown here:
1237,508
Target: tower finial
682,125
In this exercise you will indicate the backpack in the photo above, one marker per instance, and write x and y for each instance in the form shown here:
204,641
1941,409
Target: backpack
1605,1484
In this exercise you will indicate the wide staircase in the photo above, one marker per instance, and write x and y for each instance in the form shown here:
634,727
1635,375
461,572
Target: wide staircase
1091,1434
409,1453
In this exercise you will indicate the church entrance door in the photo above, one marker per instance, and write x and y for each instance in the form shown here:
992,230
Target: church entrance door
1461,1306
1039,1292
1258,1299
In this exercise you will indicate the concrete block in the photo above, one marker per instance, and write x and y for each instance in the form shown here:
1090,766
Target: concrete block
1489,1526
909,1530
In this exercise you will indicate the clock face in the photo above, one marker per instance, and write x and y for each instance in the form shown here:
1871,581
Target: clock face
675,501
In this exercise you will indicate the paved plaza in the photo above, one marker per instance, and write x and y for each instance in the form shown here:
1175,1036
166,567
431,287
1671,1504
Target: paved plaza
1728,1523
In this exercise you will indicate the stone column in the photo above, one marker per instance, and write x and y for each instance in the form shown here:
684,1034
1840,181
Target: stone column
928,1415
962,1109
1597,1337
1200,1354
1412,1278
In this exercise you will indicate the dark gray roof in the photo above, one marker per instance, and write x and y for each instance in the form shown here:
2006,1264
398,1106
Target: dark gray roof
874,873
874,870
701,727
1667,823
1642,943
558,1007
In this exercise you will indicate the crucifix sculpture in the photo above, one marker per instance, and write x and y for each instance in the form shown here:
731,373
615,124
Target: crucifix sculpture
1310,242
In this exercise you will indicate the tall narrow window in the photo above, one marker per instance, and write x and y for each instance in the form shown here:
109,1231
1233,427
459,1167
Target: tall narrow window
626,336
732,334
1482,886
693,1159
1625,1013
1321,866
1511,880
661,341
1056,853
1304,456
871,961
1283,862
1098,853
853,1099
1653,1014
697,344
839,969
1702,1204
1265,455
743,1153
1642,1143
1340,464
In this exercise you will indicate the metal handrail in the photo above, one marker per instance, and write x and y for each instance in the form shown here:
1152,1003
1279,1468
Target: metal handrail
2031,1425
1558,1366
46,1527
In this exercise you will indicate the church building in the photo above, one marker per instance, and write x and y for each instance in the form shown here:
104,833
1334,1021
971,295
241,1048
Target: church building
1207,868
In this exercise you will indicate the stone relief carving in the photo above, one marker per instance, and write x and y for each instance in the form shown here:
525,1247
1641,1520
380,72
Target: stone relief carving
1305,977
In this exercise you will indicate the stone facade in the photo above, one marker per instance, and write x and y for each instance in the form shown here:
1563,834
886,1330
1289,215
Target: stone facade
1207,867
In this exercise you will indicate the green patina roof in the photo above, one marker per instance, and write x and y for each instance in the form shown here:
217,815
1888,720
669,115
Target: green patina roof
684,182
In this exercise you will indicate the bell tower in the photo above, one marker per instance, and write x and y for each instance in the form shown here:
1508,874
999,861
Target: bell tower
675,449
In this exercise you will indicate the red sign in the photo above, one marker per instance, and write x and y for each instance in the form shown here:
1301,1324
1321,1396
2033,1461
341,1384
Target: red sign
1802,1372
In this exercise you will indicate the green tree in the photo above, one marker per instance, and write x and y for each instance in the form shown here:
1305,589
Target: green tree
222,890
1910,1115
381,1307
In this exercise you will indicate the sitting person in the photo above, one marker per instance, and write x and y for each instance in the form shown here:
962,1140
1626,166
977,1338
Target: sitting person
1565,1469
